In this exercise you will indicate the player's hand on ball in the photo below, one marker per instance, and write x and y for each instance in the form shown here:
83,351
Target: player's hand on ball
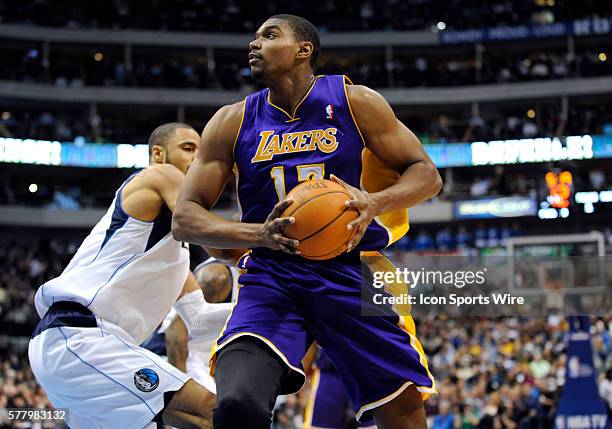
271,233
367,211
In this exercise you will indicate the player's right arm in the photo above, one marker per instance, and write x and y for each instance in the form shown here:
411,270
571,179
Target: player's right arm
192,220
152,188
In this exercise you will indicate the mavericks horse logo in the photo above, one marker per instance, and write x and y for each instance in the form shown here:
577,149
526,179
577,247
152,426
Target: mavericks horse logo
146,379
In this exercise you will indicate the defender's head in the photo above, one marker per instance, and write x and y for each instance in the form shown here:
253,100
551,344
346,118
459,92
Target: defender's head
174,143
283,43
215,280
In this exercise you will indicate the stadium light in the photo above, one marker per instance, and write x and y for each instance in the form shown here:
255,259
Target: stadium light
33,187
441,26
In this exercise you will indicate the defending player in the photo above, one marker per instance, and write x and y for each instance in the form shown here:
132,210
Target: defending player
120,284
304,127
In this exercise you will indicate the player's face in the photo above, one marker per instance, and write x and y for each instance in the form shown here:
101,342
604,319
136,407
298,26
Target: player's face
273,50
182,148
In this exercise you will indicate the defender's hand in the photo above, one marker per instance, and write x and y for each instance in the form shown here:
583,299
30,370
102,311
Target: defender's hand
271,232
367,211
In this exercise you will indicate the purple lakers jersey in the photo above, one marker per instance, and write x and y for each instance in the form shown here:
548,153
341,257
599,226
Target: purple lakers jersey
275,150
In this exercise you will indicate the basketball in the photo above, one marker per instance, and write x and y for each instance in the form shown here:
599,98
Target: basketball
321,218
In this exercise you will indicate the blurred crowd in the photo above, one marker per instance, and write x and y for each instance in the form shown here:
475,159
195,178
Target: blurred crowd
24,267
498,124
230,71
461,239
409,69
506,373
330,15
484,238
18,388
108,68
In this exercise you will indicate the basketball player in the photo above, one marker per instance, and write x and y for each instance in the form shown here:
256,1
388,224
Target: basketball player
115,291
328,401
301,127
219,283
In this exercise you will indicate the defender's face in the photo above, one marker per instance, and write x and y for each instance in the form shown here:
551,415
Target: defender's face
182,148
273,50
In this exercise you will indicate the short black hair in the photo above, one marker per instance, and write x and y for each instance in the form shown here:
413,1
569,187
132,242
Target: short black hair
160,135
304,31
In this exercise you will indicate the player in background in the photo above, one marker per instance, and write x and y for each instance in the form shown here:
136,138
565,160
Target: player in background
328,403
125,277
219,284
325,128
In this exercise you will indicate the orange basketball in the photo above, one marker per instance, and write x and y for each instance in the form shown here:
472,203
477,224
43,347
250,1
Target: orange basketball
321,218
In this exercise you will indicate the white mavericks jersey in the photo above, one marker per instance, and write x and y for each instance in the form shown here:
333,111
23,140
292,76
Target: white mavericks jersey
200,345
128,272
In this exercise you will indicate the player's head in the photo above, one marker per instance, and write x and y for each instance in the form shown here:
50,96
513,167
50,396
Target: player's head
283,43
174,143
215,281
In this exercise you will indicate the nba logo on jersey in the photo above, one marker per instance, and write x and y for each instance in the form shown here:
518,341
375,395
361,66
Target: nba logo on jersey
329,112
146,380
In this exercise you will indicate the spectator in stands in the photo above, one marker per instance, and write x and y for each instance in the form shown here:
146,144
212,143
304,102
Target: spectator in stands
445,419
539,367
423,242
463,238
480,236
444,240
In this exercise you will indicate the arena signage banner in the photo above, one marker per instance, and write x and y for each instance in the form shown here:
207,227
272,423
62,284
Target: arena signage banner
580,406
582,27
501,207
532,150
516,151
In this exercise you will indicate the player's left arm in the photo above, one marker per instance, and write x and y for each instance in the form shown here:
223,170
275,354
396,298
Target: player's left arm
398,148
176,344
199,316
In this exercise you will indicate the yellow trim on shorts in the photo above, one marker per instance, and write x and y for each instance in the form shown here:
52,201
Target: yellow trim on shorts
406,323
309,410
425,391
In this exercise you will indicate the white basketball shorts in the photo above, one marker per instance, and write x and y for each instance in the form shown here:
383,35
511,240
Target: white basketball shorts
103,380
